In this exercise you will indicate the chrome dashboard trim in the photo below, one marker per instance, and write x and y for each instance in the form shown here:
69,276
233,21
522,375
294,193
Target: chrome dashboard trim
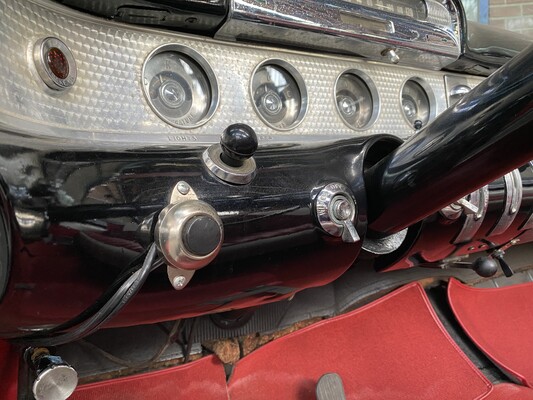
432,43
107,104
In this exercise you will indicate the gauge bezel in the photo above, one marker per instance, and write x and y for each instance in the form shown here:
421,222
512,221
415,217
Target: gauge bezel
204,66
376,102
430,95
293,72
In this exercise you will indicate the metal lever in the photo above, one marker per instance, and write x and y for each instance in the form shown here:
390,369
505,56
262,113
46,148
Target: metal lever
468,207
506,268
349,234
336,212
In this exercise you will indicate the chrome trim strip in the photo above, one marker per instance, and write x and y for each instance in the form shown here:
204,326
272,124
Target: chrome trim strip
351,28
513,199
479,198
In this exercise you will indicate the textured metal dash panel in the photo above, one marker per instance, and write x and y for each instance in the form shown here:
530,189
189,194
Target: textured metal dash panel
106,105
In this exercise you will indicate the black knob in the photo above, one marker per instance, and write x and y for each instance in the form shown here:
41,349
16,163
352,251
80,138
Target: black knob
418,124
201,235
238,142
485,266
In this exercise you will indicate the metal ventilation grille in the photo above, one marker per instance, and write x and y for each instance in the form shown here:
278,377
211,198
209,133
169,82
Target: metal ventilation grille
107,104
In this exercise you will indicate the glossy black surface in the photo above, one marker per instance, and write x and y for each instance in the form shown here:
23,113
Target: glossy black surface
482,137
238,142
433,240
85,211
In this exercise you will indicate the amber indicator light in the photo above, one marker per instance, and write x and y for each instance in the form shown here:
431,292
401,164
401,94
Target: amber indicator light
58,63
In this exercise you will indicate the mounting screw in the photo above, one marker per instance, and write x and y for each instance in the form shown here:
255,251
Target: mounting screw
183,188
179,281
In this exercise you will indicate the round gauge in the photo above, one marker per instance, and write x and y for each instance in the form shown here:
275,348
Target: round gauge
279,95
356,100
180,86
416,104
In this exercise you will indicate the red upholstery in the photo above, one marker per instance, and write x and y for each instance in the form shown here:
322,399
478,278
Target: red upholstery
200,380
500,322
393,348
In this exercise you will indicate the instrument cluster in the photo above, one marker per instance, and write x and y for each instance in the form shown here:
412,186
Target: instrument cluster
182,89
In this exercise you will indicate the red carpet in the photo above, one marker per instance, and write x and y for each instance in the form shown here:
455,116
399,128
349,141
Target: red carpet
393,348
199,380
500,322
509,391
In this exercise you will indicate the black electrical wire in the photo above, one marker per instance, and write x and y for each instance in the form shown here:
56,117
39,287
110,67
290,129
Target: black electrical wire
91,310
117,301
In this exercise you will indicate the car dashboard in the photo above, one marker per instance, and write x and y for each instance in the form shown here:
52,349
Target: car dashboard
164,162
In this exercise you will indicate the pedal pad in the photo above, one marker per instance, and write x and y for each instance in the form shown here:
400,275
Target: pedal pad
329,387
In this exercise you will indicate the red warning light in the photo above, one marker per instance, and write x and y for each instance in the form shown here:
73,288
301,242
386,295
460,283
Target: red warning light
58,63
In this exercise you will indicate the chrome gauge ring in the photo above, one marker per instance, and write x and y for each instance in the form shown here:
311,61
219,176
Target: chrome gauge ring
356,99
180,86
278,94
416,104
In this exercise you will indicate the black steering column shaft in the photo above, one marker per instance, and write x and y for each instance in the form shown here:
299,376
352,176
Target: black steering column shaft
485,135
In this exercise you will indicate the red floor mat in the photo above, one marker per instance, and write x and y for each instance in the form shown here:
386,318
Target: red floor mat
508,391
200,380
500,322
393,348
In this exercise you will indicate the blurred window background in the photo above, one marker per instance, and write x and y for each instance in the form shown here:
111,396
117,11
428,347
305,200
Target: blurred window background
513,15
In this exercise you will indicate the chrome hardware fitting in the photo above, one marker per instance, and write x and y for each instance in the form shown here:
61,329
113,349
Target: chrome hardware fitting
475,212
528,223
513,200
232,159
55,63
189,234
391,55
385,245
470,205
236,175
336,211
56,380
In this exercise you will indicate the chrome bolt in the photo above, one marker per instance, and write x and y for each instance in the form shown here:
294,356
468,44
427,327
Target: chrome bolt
471,248
515,241
179,281
391,55
342,209
183,188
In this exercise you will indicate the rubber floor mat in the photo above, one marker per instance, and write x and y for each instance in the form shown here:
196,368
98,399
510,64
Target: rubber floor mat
393,348
500,322
200,380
